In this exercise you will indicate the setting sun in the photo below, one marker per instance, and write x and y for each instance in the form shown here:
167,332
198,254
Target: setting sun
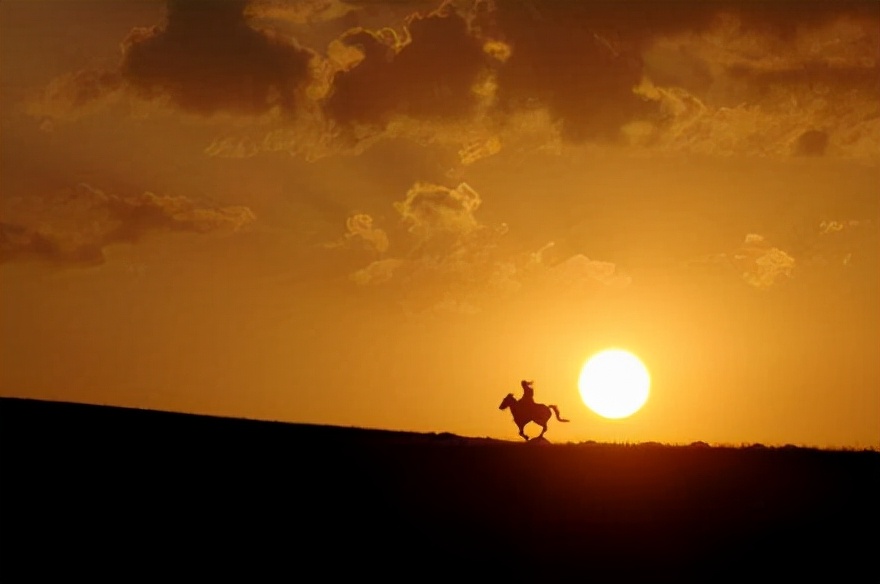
614,384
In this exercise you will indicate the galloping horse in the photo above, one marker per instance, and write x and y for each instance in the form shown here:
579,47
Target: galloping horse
523,413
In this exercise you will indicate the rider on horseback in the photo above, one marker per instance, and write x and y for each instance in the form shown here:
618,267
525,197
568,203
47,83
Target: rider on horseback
525,410
528,392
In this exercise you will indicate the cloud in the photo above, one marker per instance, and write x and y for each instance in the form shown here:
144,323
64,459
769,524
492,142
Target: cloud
762,264
451,262
75,95
361,226
208,59
433,211
448,260
75,228
561,58
21,242
809,87
718,78
204,59
848,243
832,226
360,232
377,272
758,263
828,251
428,72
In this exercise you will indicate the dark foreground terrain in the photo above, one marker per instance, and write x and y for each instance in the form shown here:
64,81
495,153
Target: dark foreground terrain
93,490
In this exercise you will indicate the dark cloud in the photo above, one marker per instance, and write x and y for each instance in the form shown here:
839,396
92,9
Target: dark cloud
582,60
427,74
208,59
85,221
566,56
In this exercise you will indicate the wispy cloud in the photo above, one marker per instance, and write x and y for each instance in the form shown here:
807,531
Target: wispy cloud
85,220
450,261
360,232
762,264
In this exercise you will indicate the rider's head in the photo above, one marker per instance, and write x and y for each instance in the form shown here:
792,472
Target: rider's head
526,384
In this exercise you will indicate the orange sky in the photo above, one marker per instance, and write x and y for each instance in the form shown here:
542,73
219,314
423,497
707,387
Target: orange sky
386,215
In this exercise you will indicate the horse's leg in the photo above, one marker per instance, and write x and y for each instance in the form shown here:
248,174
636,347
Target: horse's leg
522,432
542,420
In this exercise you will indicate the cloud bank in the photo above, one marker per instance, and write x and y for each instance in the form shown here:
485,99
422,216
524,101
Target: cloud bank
721,78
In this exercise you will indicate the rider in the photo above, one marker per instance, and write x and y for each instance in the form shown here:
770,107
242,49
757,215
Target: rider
528,392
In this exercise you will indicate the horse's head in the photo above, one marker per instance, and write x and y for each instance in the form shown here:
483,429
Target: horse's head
507,401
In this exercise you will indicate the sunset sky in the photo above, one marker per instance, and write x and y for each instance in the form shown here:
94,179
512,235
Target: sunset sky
387,214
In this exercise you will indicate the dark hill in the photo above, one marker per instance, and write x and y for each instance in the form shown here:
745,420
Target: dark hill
93,487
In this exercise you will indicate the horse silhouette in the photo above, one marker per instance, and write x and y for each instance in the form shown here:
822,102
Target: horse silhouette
523,413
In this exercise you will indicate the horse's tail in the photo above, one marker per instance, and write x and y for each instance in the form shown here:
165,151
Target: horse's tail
556,411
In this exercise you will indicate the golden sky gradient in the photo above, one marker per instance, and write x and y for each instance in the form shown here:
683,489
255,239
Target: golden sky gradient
388,214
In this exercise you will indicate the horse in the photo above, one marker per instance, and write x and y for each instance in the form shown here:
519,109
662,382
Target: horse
523,413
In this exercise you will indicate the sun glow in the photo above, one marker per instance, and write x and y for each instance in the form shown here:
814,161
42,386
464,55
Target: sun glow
614,383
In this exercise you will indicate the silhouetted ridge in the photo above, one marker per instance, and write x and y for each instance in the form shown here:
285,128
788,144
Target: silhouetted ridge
135,484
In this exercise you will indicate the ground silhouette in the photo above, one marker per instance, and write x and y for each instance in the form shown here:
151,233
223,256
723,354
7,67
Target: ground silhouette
121,492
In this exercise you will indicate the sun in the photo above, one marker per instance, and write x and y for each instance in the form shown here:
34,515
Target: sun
614,383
